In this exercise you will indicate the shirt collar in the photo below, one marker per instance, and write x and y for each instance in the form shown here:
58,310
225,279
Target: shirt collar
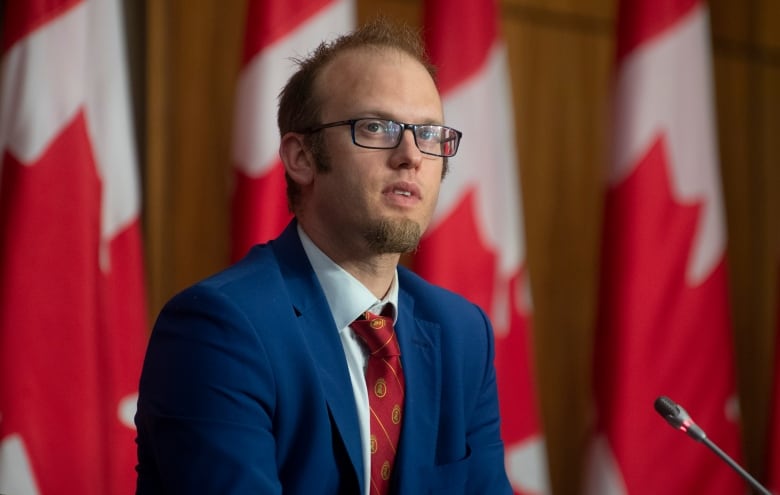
346,296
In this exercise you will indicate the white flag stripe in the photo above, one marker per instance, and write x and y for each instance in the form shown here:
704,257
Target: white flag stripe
42,85
126,410
109,118
679,108
602,476
16,475
526,465
55,72
481,107
256,136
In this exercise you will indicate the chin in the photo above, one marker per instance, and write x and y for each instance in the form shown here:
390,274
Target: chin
393,236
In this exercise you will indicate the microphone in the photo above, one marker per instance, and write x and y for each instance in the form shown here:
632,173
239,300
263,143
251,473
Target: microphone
679,418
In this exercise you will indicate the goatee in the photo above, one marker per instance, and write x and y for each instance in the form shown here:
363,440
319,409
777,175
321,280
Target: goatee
393,236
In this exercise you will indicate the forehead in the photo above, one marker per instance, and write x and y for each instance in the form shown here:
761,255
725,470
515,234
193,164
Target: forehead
378,81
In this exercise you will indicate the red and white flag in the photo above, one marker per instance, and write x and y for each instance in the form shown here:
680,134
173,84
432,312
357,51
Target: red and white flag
72,306
664,319
276,31
475,245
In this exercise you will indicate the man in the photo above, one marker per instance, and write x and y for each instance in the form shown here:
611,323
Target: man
255,379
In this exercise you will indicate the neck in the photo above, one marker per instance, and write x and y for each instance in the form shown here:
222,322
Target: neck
376,274
375,271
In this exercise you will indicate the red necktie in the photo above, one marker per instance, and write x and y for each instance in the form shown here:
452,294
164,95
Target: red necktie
385,384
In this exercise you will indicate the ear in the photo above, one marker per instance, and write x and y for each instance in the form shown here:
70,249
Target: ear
297,159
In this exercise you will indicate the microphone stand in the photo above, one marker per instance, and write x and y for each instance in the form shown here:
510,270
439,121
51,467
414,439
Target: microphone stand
736,467
678,417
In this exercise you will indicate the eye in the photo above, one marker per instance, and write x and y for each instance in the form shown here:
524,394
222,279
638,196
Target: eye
429,133
374,126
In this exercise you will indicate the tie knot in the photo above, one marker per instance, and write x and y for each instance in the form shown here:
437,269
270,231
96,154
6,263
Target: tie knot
378,334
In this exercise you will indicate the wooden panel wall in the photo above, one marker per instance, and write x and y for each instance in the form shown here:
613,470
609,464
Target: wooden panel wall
560,55
193,53
747,69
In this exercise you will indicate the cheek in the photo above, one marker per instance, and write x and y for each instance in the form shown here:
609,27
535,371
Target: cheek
343,188
434,181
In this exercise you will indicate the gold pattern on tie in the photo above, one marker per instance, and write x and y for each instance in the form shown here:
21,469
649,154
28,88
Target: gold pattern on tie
385,383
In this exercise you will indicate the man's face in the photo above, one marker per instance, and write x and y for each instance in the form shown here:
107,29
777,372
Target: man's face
382,200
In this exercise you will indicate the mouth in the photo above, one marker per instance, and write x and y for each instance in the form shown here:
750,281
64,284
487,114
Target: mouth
403,189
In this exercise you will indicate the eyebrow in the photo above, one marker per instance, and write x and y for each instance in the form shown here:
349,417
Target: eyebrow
385,116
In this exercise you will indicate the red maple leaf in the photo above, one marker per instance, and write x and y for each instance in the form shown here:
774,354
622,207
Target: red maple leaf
70,336
659,335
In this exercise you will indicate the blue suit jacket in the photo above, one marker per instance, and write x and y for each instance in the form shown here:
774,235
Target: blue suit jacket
245,389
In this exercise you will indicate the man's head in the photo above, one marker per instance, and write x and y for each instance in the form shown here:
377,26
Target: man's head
300,105
337,179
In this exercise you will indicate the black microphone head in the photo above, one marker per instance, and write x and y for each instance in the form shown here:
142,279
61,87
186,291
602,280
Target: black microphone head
678,417
666,407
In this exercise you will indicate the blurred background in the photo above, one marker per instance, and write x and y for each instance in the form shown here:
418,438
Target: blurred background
186,56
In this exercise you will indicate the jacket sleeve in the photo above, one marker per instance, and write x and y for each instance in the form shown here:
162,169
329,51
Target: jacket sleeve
486,473
205,403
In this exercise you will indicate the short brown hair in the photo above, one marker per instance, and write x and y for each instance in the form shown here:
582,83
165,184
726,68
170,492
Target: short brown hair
299,106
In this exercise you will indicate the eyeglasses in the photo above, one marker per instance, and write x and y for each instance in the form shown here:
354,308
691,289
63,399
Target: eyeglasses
383,134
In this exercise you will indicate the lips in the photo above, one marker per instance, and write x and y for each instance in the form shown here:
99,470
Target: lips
403,190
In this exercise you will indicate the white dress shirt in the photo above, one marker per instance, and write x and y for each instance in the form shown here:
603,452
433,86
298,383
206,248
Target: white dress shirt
348,299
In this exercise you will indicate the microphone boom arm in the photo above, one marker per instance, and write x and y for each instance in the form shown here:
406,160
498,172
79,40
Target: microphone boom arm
678,417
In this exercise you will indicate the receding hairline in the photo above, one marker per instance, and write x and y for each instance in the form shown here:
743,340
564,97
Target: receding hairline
301,98
369,50
320,93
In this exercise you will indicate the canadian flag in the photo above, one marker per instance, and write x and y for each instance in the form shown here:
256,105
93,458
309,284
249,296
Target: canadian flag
72,304
276,31
475,245
664,319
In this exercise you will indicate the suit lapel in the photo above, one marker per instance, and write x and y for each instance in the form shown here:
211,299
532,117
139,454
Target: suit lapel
323,341
421,360
420,357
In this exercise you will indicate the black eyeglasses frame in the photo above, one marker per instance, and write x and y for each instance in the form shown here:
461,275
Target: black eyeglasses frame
404,126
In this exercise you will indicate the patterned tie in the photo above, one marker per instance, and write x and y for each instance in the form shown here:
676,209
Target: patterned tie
385,383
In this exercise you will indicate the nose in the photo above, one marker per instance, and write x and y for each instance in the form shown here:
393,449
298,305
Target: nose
407,154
